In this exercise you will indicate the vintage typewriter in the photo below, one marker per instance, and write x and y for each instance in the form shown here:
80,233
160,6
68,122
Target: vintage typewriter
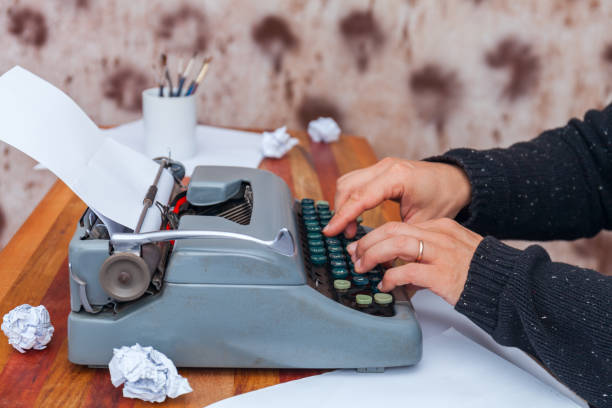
239,275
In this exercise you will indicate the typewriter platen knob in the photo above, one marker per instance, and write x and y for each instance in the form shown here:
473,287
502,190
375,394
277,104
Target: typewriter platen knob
125,276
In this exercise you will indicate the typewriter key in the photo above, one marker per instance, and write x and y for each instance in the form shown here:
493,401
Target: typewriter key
315,243
363,300
322,203
314,235
360,281
374,280
313,228
309,217
308,211
318,260
373,274
307,201
353,273
341,285
337,263
317,251
335,249
339,273
383,299
332,241
336,257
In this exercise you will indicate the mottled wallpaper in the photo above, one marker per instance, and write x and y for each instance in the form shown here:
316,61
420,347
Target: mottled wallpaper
414,77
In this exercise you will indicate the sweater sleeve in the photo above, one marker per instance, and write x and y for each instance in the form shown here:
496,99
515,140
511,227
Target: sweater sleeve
556,186
558,313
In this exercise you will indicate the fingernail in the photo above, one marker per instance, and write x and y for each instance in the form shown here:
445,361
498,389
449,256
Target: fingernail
379,286
351,247
358,264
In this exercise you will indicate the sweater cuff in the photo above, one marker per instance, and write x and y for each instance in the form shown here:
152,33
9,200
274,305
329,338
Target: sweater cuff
492,265
490,195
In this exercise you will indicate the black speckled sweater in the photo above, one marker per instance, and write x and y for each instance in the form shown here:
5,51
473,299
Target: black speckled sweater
556,186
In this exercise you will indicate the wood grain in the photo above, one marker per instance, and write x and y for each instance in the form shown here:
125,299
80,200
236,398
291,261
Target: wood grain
33,269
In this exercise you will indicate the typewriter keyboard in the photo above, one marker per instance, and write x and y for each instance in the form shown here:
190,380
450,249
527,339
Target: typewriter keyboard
329,266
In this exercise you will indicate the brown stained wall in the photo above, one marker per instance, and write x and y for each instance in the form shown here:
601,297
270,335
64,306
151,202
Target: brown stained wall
415,77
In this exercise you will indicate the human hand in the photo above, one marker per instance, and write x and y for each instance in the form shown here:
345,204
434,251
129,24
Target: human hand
424,190
448,248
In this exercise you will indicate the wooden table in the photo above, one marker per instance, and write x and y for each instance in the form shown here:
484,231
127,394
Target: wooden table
34,270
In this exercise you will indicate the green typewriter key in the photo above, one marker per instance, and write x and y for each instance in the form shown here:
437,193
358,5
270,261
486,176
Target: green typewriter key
314,235
383,299
315,243
371,275
313,228
322,203
336,257
332,241
317,251
335,249
353,273
325,215
342,285
324,223
337,264
311,224
374,280
339,273
307,201
360,281
318,260
308,211
363,300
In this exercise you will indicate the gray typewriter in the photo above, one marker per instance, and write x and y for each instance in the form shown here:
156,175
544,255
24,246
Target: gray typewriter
239,275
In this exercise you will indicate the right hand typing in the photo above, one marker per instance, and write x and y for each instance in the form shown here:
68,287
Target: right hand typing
424,190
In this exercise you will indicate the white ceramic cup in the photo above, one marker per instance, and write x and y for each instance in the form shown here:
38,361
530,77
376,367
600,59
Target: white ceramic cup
169,124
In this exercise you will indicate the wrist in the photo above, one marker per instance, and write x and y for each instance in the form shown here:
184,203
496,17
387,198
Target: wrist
459,185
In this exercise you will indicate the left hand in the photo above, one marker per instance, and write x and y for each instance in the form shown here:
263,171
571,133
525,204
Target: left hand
447,253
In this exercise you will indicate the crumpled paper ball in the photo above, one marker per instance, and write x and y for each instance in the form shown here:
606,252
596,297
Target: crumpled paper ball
28,327
276,144
147,374
324,130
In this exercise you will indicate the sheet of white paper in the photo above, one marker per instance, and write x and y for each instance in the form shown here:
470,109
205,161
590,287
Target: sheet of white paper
215,146
437,316
454,372
44,123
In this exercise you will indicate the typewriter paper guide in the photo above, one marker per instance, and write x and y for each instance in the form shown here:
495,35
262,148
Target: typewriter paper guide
44,123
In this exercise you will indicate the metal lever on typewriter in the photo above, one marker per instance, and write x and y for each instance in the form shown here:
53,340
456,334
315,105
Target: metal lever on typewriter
283,243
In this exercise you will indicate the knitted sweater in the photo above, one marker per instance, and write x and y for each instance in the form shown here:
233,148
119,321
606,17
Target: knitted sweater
556,186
